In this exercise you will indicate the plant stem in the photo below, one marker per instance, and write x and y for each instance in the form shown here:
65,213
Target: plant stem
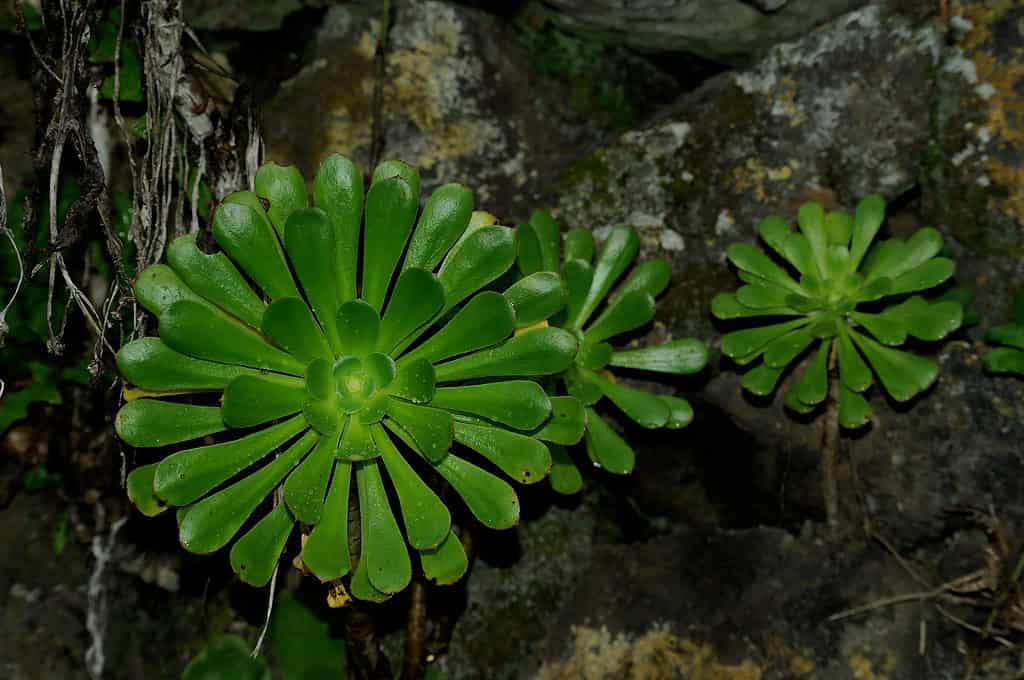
830,445
415,631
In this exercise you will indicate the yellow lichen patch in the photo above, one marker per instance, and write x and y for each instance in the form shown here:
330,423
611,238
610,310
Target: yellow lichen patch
753,175
656,655
337,596
863,668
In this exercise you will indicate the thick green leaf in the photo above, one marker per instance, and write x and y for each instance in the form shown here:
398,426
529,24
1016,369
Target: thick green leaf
324,415
797,250
521,404
226,657
579,245
853,372
444,219
748,258
414,382
617,252
384,554
252,400
391,207
922,246
928,275
761,379
416,300
246,235
594,357
536,297
256,553
813,385
567,422
646,409
360,585
811,219
606,448
1004,360
904,375
392,168
338,191
549,239
885,259
774,232
358,328
185,476
854,409
793,403
151,422
727,306
475,261
626,313
491,500
927,320
746,342
150,364
215,278
866,221
447,563
839,228
680,357
290,325
426,519
204,332
565,477
579,276
542,351
485,320
1011,334
651,277
325,552
522,458
766,296
889,329
429,430
139,487
284,189
680,412
158,287
781,351
528,255
212,522
357,444
306,486
309,240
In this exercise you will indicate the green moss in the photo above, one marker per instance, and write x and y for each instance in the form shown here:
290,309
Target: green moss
592,169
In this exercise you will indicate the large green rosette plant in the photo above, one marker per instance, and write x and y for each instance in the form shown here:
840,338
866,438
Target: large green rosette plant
589,275
370,347
850,301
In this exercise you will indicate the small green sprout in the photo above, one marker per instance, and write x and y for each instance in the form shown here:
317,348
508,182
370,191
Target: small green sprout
836,303
1009,358
588,279
374,346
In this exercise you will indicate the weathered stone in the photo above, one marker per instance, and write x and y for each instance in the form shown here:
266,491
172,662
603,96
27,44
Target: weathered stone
729,31
242,15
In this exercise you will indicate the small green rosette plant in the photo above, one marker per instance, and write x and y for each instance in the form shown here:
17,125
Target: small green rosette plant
589,274
370,344
850,300
1008,357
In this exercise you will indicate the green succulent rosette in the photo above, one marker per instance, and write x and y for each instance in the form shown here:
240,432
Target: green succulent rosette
1008,357
596,319
851,300
372,341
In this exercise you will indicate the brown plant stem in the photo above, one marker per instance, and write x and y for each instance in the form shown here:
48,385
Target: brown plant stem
830,445
415,631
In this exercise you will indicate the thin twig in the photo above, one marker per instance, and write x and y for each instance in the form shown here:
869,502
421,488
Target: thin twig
830,445
270,610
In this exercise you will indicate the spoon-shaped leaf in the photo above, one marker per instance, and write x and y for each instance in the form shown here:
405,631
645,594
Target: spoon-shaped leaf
252,400
774,231
811,219
338,191
427,521
1004,360
289,324
765,296
204,332
444,219
761,379
625,313
475,261
927,321
185,476
749,341
748,258
854,410
538,352
325,552
150,364
565,477
643,407
549,240
536,297
158,287
1011,334
491,500
414,382
215,278
417,298
889,329
928,275
606,448
151,422
579,276
853,372
680,412
284,189
727,306
651,277
579,245
306,486
922,246
797,250
212,522
567,422
360,585
617,252
522,458
839,228
485,320
680,357
384,554
580,383
904,375
391,207
309,240
813,385
358,328
885,260
521,404
247,237
794,404
781,351
528,255
866,221
427,430
357,444
256,553
447,563
139,486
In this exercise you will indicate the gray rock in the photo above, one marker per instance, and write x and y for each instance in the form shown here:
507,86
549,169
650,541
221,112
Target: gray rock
729,31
